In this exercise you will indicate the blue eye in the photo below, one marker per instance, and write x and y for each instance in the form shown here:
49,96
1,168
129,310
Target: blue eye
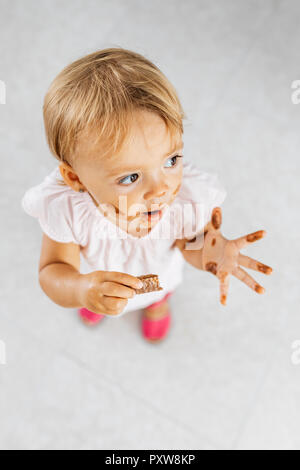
134,176
175,157
126,178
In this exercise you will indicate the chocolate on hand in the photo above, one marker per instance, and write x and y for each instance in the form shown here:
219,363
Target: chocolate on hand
222,257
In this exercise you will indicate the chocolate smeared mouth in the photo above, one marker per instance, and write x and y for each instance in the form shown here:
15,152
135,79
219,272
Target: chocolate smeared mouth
156,211
151,212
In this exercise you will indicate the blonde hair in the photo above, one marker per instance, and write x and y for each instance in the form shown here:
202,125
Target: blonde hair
101,91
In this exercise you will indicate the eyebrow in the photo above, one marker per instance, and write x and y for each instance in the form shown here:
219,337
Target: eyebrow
120,171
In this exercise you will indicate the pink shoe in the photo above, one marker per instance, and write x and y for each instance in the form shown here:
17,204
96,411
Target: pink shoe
156,330
90,318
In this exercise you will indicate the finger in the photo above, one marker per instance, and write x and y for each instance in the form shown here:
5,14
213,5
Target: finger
254,264
114,305
216,218
250,238
224,285
124,278
113,289
243,276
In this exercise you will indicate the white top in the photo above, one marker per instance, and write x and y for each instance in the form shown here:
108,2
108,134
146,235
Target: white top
67,216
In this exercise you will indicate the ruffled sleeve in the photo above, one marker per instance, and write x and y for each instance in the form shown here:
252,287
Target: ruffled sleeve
200,192
58,208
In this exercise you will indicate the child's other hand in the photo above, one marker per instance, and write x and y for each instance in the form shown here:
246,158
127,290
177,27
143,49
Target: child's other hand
107,292
222,257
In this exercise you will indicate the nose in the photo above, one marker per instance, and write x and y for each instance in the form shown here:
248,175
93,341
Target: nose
158,189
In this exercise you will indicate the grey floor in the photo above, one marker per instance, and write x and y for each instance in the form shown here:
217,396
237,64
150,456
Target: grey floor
226,377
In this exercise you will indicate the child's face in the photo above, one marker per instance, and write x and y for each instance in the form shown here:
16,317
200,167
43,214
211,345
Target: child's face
146,174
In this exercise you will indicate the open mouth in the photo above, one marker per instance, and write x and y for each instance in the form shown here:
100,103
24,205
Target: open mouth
153,215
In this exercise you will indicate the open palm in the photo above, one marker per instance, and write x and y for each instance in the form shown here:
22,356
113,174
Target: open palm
222,257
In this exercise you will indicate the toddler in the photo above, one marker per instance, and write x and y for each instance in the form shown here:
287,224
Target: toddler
123,200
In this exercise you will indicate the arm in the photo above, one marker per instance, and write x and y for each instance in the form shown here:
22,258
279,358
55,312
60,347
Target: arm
59,272
99,291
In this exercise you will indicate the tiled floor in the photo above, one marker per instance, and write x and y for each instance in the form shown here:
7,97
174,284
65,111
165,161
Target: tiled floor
224,377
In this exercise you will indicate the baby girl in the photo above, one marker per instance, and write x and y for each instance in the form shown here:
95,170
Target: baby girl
123,201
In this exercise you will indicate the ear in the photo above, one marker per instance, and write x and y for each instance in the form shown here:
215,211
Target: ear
70,177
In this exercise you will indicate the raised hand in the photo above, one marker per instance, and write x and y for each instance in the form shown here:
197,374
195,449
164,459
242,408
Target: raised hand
222,257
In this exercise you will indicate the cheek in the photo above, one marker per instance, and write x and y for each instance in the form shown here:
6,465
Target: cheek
104,194
177,184
176,190
118,201
124,201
